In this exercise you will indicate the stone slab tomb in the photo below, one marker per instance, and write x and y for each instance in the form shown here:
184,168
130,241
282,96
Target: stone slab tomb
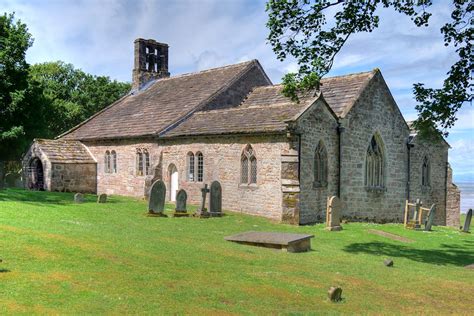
467,223
215,199
284,241
333,214
78,198
180,210
102,198
156,204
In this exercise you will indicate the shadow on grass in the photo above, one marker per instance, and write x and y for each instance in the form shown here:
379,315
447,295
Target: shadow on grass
4,270
57,198
459,255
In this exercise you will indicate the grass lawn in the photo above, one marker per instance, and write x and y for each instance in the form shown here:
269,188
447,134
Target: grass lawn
60,257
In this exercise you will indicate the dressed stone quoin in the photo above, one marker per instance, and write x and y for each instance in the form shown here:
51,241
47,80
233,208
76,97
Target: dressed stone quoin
272,157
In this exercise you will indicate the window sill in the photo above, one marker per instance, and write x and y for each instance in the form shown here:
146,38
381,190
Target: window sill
376,189
320,185
250,186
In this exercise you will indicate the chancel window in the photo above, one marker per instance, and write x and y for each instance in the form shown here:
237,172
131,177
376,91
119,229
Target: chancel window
320,166
190,167
248,166
425,172
375,165
200,167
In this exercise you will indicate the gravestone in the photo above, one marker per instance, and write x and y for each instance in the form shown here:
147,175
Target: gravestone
467,223
102,198
333,214
388,262
180,210
335,294
78,198
431,215
215,199
156,204
202,211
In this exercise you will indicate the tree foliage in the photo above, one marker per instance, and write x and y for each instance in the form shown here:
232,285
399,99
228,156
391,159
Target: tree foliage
299,28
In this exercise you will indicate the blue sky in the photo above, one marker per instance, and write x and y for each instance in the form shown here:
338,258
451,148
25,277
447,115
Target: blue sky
97,36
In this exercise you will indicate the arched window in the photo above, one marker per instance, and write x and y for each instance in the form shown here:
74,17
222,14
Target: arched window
146,161
248,166
107,162
320,166
190,167
375,164
139,162
114,161
200,167
425,172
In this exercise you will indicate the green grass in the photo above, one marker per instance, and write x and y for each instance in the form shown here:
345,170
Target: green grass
60,257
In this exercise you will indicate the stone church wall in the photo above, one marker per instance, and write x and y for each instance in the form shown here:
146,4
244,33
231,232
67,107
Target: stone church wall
74,177
453,202
319,125
435,193
374,112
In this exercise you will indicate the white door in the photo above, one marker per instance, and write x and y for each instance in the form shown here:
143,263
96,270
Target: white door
174,184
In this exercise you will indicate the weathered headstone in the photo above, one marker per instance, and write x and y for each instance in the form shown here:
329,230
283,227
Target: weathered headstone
418,204
215,199
335,294
180,210
12,180
467,223
102,198
156,204
333,214
202,211
431,215
388,262
78,198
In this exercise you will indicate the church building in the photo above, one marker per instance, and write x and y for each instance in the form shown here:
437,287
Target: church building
273,157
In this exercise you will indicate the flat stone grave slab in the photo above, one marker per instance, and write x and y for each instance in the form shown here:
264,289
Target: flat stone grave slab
284,241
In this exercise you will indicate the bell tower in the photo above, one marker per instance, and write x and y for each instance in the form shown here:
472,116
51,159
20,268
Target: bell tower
151,62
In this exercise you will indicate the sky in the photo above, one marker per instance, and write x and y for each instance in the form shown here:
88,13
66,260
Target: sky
97,36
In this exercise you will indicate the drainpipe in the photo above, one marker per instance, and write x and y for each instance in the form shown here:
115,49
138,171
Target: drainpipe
409,146
340,129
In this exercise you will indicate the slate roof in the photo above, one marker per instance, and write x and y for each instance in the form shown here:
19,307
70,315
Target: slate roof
264,110
160,105
173,106
64,151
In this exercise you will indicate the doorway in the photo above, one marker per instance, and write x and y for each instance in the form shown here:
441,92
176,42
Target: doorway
174,182
36,175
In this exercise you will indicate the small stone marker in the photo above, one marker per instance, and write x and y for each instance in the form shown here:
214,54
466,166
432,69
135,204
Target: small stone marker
467,223
388,262
78,198
215,199
180,210
284,241
202,211
333,214
335,294
430,219
156,205
102,198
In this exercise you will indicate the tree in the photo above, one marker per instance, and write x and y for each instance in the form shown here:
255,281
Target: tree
72,94
299,28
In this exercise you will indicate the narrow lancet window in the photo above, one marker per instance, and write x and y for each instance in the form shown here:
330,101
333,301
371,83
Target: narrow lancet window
320,166
375,165
200,167
425,172
190,168
248,166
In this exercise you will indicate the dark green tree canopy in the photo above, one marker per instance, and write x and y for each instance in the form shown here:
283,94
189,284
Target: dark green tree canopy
299,28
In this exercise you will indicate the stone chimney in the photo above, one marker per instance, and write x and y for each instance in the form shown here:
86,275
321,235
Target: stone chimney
151,62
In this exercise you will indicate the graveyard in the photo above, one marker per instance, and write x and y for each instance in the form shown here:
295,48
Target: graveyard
60,257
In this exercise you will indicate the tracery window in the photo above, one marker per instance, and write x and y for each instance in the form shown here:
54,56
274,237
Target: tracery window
248,166
425,172
375,165
200,167
320,166
190,167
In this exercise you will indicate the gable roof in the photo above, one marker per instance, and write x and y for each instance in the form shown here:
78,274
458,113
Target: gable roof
341,92
159,105
264,110
64,151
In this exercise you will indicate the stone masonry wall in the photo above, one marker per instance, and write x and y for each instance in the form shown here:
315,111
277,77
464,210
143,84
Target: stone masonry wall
35,152
374,112
74,177
435,193
319,125
453,202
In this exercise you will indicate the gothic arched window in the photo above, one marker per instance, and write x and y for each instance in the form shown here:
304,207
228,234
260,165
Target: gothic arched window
200,167
320,166
375,164
107,162
190,168
139,162
425,172
113,155
248,166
